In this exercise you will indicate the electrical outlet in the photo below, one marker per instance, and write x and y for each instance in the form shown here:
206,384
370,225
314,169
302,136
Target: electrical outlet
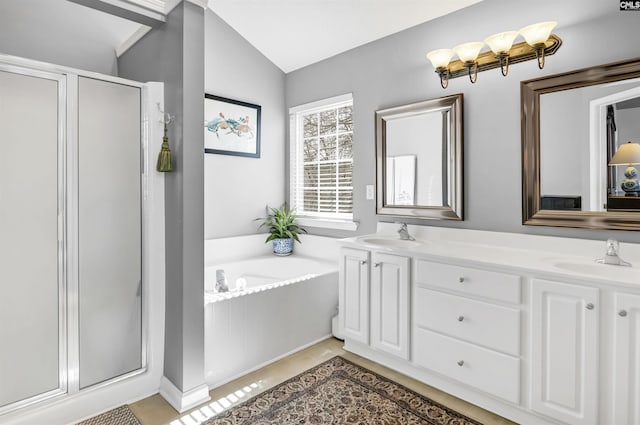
370,192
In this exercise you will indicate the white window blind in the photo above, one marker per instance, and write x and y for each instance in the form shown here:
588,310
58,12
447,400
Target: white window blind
321,166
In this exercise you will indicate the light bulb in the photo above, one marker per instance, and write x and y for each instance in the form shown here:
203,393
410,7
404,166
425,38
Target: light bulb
468,52
538,33
501,42
440,58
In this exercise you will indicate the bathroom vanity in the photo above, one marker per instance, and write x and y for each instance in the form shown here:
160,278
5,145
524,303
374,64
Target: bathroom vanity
528,327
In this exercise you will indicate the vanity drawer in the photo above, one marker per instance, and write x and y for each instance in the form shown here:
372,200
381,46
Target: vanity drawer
487,324
495,285
487,370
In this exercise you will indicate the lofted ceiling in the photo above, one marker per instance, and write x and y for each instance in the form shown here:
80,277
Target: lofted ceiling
297,33
290,33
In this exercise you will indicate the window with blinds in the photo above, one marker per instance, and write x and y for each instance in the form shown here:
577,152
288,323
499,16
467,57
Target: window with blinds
322,158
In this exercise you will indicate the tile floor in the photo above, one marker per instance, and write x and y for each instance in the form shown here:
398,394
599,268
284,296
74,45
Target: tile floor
155,410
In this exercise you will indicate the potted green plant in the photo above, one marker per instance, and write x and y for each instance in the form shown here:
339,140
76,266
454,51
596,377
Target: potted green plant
283,229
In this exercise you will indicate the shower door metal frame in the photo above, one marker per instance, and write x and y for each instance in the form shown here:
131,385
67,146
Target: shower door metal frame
62,246
68,282
73,216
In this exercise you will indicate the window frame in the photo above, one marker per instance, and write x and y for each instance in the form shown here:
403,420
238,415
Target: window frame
333,220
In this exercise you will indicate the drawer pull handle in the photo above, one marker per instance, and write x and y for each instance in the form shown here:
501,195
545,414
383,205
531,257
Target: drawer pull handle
461,279
363,262
622,313
376,264
460,363
590,306
460,318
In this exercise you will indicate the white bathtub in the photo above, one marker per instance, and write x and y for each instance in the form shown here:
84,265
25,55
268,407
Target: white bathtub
263,273
287,304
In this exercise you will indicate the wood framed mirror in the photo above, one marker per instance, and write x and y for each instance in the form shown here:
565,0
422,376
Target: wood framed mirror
572,125
419,159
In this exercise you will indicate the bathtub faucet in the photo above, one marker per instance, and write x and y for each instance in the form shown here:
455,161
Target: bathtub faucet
221,281
404,233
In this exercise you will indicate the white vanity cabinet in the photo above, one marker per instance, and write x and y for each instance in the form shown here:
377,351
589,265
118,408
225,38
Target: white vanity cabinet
537,338
565,347
466,325
626,359
390,304
353,296
374,300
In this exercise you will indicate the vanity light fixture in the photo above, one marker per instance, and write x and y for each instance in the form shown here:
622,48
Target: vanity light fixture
629,155
468,53
539,43
440,59
500,44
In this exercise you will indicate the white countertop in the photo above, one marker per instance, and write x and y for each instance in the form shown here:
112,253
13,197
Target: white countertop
544,256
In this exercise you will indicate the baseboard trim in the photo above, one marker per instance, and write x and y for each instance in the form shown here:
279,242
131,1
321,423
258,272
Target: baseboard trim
183,401
217,384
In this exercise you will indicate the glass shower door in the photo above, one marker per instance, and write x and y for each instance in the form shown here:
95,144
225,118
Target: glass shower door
109,230
32,316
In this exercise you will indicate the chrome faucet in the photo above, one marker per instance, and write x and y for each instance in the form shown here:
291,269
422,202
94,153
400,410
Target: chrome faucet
404,233
611,256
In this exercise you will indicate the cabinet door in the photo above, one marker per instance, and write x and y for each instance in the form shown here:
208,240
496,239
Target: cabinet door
626,378
354,294
390,304
565,351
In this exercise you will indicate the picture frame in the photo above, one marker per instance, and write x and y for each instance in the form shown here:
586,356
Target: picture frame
231,127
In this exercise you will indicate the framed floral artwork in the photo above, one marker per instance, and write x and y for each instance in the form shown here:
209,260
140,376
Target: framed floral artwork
231,127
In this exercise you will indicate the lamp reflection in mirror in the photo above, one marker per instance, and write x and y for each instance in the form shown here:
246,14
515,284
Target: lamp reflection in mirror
539,43
629,155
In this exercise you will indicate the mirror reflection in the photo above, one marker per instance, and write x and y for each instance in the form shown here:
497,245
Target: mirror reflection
419,139
419,148
581,147
581,132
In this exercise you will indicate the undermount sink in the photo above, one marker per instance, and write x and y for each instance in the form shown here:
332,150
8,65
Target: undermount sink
390,242
595,269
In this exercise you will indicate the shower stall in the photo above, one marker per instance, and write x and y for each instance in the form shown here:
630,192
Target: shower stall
73,292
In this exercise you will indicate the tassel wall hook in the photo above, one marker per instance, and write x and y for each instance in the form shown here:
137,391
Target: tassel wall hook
165,159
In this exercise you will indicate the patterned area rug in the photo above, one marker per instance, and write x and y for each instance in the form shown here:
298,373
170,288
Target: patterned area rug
340,392
118,416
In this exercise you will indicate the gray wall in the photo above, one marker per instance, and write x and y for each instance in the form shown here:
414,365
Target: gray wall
394,71
237,189
52,31
174,53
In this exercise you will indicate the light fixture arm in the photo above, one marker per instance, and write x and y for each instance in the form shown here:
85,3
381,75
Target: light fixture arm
503,58
444,77
472,69
540,54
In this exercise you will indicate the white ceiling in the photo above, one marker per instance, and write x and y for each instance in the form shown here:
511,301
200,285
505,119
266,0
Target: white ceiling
297,33
54,16
290,33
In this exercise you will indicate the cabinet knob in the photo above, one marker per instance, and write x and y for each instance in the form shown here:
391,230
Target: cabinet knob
622,313
460,318
363,262
376,264
460,363
461,279
590,306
